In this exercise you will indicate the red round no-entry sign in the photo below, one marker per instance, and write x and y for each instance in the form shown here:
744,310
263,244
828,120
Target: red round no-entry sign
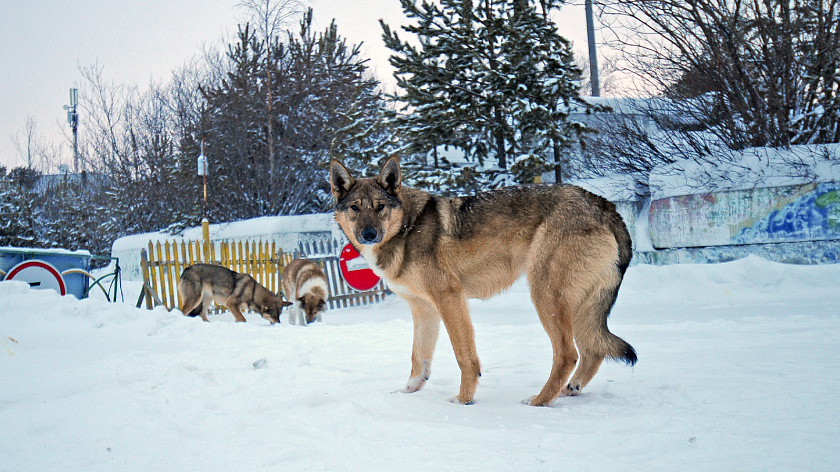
355,270
39,275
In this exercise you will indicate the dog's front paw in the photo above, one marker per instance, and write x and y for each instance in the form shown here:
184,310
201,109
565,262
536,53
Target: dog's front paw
533,401
414,384
458,401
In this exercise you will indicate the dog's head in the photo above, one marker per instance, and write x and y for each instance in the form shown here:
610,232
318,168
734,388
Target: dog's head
368,210
313,305
269,305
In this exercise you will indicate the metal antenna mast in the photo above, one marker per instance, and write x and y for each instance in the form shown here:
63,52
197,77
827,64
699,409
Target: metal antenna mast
73,119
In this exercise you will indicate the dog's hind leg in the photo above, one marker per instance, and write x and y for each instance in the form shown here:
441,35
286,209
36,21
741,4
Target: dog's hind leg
587,328
206,300
556,318
559,275
190,301
589,364
593,337
426,330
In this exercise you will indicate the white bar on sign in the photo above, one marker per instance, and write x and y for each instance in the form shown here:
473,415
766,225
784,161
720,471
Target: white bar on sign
359,263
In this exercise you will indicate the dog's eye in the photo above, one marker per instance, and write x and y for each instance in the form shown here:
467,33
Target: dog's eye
380,207
354,208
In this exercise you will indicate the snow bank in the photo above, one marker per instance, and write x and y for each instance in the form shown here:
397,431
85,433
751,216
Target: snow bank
737,371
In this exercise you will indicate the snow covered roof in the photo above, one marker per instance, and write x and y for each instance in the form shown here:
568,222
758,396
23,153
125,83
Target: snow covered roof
752,168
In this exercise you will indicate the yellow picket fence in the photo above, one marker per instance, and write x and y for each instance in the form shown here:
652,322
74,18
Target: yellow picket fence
163,263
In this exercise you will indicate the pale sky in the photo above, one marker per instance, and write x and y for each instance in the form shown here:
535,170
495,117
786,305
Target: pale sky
45,41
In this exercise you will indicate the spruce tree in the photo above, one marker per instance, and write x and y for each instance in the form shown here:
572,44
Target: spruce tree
492,78
73,216
325,105
437,78
19,215
539,71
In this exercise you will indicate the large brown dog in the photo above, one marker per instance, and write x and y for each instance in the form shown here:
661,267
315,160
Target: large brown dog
200,284
437,252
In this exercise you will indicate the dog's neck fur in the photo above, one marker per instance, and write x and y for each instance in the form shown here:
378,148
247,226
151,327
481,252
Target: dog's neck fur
413,208
394,247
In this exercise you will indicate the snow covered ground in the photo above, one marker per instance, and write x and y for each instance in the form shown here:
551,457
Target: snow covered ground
739,369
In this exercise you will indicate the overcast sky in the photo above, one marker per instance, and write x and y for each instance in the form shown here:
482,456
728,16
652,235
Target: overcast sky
45,41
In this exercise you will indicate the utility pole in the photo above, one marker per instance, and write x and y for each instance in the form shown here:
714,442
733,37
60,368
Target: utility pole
73,120
205,222
593,50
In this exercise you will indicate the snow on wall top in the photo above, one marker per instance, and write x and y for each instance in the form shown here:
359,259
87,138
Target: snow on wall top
750,169
615,188
44,251
256,228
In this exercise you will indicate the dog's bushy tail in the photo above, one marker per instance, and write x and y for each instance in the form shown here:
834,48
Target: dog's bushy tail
621,350
592,327
611,345
592,334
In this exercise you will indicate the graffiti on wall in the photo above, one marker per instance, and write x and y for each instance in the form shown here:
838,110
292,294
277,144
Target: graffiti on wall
813,216
765,215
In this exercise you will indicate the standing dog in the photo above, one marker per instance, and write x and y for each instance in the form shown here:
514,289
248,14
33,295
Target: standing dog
437,252
200,284
306,285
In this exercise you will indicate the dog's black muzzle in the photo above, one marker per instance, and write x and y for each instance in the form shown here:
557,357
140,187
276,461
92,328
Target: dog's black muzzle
369,236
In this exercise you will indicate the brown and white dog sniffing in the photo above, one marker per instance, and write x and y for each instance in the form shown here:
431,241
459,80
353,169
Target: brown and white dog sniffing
305,284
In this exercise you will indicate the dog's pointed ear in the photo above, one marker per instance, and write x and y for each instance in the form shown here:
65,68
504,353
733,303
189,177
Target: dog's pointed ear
390,178
285,303
340,179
